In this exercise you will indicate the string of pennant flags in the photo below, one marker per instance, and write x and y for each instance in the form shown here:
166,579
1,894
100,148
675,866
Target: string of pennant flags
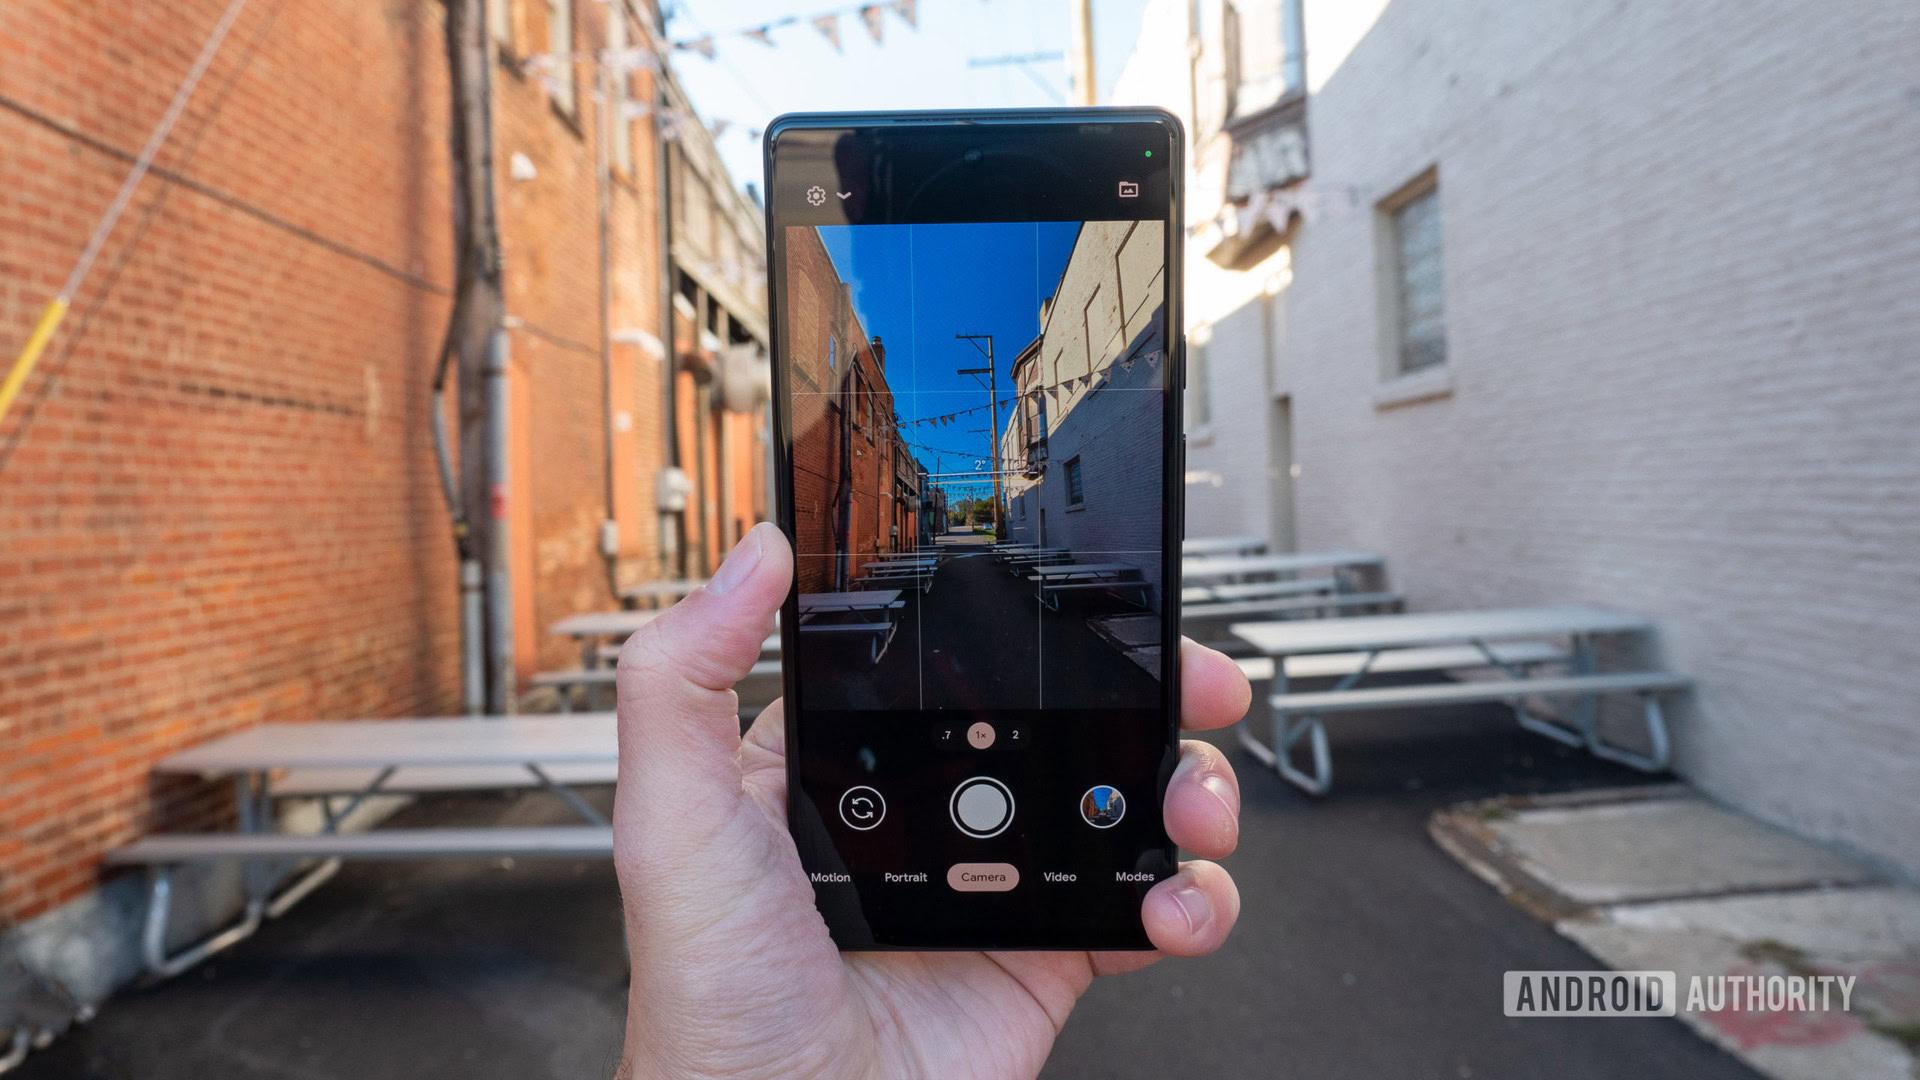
1095,380
548,69
827,23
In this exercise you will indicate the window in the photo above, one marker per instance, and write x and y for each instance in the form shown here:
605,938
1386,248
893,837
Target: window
560,46
833,352
1076,495
1416,281
1199,395
617,74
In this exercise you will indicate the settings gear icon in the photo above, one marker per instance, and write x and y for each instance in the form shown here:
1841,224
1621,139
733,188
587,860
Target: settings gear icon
816,195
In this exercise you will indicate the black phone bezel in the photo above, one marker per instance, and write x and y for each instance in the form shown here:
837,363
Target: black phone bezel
1173,448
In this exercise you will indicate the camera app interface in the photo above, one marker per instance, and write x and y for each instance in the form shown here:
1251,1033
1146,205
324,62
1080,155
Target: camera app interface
976,415
977,463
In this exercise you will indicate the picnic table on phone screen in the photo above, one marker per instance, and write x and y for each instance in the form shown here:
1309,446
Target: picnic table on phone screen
867,612
1514,644
917,571
1052,580
342,763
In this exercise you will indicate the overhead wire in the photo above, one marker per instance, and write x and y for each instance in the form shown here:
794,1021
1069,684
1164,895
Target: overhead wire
56,309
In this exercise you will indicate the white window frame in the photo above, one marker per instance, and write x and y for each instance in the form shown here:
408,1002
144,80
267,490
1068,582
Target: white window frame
1398,386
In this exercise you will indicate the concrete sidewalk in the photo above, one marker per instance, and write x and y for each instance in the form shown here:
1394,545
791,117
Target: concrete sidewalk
1660,879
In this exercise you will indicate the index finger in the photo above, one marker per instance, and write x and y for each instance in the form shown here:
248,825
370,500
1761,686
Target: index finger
1214,692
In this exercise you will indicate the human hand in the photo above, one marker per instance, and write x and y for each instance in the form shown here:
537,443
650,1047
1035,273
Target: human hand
734,974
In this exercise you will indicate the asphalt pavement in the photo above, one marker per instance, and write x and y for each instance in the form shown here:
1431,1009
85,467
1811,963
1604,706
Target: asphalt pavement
1363,951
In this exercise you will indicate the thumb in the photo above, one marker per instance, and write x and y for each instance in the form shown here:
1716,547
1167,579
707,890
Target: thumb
679,718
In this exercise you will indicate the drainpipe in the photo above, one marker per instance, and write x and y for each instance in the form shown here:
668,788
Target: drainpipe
476,315
672,523
500,697
609,526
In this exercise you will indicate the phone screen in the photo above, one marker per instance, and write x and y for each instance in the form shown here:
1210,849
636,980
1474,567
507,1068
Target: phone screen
976,391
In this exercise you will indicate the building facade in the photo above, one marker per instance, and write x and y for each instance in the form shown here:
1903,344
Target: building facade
1084,430
218,493
857,489
1615,306
1233,73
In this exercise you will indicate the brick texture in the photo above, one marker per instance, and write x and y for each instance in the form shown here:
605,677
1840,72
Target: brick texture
837,370
218,501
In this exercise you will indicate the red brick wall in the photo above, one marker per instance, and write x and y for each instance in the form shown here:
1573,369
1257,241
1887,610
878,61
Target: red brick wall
816,311
218,502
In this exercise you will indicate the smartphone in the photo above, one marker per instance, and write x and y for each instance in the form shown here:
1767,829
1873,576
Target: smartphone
977,391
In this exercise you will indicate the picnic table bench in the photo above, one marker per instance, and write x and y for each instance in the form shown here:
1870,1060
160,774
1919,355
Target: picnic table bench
1513,643
1020,562
1196,571
868,612
918,571
1073,577
1223,545
391,756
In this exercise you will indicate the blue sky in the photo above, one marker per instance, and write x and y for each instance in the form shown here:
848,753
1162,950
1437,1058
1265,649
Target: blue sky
915,286
748,83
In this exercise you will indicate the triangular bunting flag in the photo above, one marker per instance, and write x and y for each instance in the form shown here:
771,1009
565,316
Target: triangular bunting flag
829,27
703,46
719,128
875,20
908,11
763,35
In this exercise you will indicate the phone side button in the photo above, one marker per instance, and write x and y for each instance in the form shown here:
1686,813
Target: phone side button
983,876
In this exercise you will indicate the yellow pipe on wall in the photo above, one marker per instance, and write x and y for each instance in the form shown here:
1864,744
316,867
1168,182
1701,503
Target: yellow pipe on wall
29,356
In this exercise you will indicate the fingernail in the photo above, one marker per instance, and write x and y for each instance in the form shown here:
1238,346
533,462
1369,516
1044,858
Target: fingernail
1195,906
740,562
1223,791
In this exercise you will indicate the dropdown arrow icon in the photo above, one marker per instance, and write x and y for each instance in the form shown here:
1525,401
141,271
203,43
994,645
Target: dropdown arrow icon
843,194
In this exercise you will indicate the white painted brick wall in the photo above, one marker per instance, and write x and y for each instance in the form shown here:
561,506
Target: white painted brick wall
1682,247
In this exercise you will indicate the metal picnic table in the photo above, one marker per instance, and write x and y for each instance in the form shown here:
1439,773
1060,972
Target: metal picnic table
1356,646
1199,570
1052,580
1021,561
1201,546
381,756
868,602
919,571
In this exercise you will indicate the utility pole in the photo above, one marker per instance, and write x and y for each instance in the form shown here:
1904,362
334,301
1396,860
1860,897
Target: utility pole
1080,67
992,383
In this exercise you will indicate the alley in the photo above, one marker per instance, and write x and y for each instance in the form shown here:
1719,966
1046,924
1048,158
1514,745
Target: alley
980,640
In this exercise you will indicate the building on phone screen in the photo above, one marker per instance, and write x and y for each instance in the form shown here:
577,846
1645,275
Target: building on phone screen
1082,447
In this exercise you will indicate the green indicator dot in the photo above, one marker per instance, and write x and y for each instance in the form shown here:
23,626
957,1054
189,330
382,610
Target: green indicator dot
1149,153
